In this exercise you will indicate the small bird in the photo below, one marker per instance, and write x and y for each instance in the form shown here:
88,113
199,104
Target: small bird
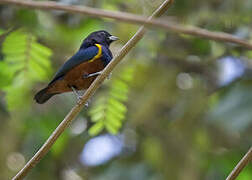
78,72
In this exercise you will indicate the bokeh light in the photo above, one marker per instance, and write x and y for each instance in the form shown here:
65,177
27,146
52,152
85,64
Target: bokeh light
15,161
101,149
184,81
78,126
230,68
70,174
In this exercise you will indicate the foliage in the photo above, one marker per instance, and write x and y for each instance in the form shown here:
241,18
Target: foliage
109,110
25,63
171,124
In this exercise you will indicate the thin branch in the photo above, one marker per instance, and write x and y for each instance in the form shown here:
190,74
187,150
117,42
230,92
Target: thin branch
6,33
239,167
131,18
90,91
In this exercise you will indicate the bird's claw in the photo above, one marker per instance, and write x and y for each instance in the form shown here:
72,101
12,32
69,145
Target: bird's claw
91,74
85,76
79,100
86,104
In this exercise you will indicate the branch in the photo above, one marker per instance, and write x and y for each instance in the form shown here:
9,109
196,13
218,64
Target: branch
90,91
239,167
130,18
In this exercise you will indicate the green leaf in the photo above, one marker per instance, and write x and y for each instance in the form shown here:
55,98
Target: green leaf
98,116
5,75
96,128
111,129
42,50
109,111
117,105
28,62
17,92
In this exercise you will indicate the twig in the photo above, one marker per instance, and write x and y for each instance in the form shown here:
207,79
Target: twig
239,167
130,18
90,91
6,33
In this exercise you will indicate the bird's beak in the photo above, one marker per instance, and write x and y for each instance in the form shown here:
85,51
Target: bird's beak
113,38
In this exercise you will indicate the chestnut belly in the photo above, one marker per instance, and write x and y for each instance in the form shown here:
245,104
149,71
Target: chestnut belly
74,77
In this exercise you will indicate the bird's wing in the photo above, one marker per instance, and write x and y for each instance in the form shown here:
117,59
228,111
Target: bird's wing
83,55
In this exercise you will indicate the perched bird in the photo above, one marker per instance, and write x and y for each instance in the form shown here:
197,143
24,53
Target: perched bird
82,68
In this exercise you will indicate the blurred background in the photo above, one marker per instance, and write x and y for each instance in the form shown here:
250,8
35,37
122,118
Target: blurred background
177,107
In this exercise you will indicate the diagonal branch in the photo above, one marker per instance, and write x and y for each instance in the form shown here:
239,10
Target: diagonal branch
239,167
131,18
90,91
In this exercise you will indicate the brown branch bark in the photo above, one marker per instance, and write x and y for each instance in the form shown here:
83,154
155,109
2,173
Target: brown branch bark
239,167
131,18
90,91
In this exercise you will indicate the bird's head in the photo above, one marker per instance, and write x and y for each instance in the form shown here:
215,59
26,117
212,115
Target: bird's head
98,37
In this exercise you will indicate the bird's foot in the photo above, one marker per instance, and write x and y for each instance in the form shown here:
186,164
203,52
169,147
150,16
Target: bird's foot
79,100
77,94
92,74
85,76
86,104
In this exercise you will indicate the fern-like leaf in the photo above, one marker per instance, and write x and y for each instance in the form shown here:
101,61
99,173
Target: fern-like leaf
108,111
25,62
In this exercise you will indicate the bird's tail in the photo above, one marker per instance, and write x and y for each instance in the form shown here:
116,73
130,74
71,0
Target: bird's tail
42,96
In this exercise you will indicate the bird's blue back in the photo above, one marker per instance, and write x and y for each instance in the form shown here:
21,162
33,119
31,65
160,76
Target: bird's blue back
83,55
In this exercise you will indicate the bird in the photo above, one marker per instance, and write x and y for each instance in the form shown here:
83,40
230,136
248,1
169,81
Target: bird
79,71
